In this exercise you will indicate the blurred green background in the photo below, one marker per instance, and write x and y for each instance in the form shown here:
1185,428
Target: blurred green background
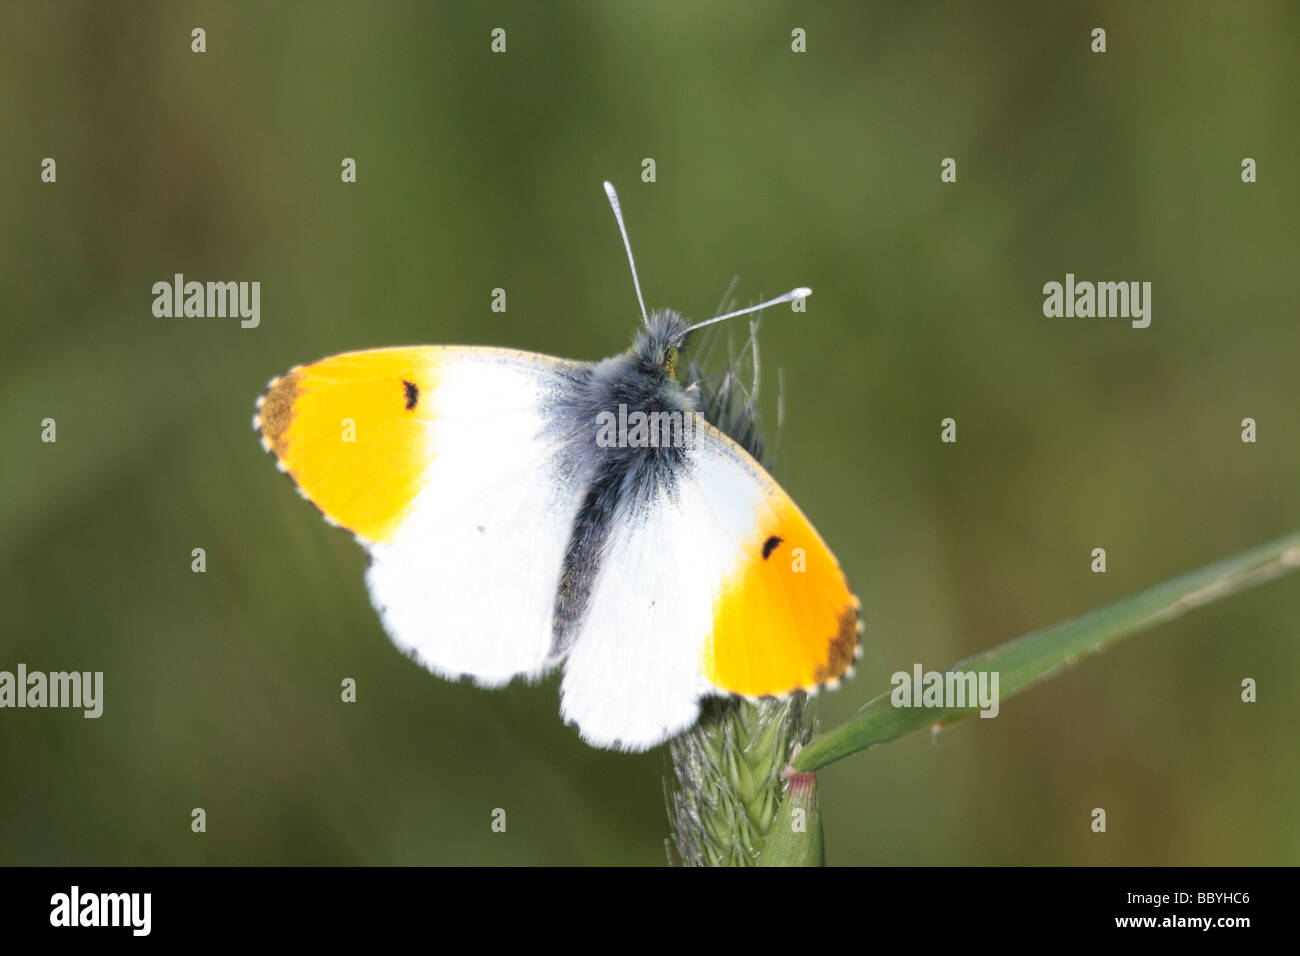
478,170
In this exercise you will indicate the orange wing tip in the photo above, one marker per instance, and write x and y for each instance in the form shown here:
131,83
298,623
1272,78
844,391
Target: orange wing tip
277,420
844,647
366,491
274,413
830,683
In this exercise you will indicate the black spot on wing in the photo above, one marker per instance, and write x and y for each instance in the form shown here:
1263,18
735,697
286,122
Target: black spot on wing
412,394
770,545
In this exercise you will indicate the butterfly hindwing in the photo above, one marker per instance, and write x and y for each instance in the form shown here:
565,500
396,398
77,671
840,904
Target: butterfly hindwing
445,464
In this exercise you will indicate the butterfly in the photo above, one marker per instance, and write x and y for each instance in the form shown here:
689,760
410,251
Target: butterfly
524,513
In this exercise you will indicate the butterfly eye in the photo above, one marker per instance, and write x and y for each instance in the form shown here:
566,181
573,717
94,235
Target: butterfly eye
670,360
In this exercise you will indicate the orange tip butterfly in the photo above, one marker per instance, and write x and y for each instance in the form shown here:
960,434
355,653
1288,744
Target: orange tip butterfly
524,513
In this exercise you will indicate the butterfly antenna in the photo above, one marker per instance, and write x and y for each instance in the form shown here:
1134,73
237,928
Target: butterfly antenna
799,293
753,350
618,216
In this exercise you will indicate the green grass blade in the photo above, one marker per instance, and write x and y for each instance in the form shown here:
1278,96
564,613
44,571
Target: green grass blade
1025,661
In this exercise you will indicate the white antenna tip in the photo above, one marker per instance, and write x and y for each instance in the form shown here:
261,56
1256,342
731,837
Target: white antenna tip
802,292
627,246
